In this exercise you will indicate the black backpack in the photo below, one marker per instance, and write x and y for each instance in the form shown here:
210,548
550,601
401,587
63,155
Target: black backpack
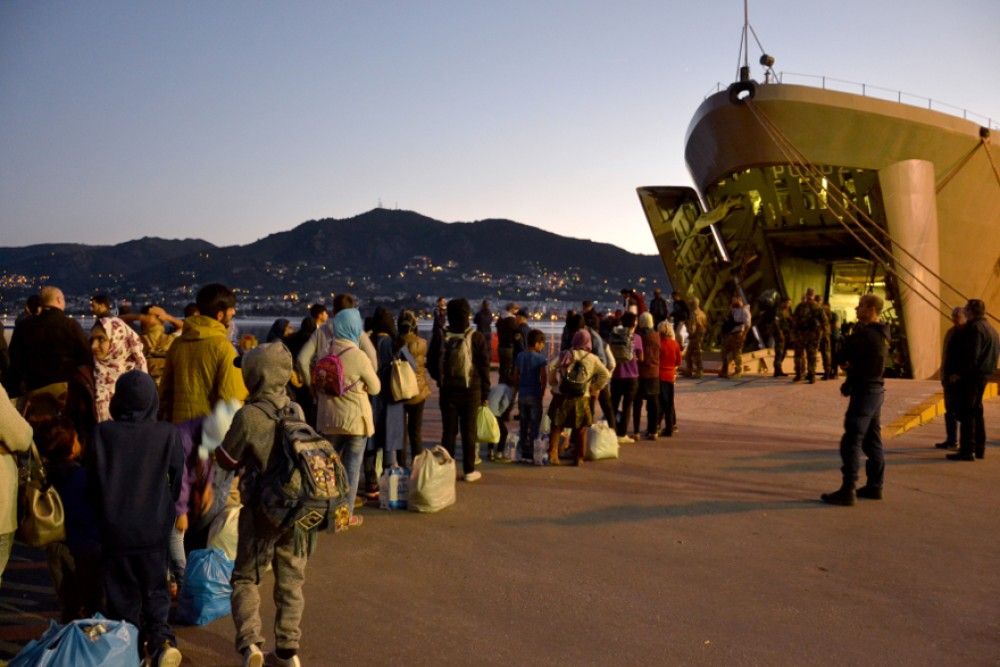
622,346
306,484
575,380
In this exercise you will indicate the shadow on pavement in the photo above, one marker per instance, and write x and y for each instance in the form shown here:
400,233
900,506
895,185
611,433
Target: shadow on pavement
634,513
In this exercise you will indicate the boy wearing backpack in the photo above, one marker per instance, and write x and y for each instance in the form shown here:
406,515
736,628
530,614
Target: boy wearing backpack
135,510
248,444
460,364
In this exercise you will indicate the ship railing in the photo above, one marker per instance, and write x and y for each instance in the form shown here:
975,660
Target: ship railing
878,92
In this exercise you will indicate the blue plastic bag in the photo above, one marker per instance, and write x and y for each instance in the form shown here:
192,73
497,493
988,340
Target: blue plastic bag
88,641
206,593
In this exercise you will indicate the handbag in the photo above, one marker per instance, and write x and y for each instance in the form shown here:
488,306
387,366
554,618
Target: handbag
42,519
403,380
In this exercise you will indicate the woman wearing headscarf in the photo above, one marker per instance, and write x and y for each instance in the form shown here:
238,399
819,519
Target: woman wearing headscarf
280,330
347,419
569,411
413,409
302,392
117,349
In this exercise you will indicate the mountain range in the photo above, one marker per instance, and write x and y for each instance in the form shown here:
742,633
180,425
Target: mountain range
381,251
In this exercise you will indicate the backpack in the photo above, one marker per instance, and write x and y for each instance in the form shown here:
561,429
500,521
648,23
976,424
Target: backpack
456,360
306,483
575,380
622,346
328,376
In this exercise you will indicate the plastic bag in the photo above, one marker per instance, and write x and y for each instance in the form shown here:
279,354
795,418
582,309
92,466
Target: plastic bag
487,427
602,442
206,592
499,398
546,425
403,381
224,532
393,488
432,482
511,451
541,451
88,641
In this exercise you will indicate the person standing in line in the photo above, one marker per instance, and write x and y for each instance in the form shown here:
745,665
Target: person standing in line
388,415
572,410
117,349
734,331
15,438
782,336
658,307
601,351
697,329
484,323
530,378
440,316
680,312
865,352
670,361
318,344
649,379
950,353
627,350
135,511
460,364
507,333
976,361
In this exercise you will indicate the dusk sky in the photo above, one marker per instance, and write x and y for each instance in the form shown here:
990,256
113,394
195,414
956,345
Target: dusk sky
229,121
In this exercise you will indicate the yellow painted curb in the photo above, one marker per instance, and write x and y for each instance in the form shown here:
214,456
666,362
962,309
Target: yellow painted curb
925,413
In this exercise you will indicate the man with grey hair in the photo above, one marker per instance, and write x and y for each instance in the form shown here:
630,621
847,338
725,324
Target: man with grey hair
979,348
864,356
48,348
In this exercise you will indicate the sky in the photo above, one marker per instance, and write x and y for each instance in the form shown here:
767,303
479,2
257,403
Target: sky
229,121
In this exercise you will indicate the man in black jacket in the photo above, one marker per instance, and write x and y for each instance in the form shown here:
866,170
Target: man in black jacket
46,348
864,356
976,361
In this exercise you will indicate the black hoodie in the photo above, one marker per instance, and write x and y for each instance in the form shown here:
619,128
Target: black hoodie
136,466
864,353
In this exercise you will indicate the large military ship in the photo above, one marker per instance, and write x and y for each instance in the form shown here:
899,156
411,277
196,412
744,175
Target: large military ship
801,186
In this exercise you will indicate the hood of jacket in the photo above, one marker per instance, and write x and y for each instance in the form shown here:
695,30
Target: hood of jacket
135,398
266,370
199,327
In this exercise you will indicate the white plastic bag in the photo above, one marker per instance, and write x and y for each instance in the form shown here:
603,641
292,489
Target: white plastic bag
224,533
403,381
432,482
393,488
511,451
499,398
487,427
546,425
541,451
602,442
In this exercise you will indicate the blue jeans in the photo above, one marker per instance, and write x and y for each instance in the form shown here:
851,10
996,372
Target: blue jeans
530,408
352,450
863,433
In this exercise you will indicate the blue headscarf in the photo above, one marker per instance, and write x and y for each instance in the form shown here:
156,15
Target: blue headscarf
347,325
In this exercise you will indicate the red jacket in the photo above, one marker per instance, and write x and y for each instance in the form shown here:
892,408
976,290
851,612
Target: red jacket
670,359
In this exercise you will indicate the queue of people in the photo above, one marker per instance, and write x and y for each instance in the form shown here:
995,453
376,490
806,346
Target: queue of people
164,403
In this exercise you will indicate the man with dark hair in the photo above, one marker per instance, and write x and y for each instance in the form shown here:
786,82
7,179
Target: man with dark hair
864,356
199,370
976,362
459,361
484,322
441,314
950,354
190,309
318,312
100,305
46,348
658,307
32,306
679,311
507,335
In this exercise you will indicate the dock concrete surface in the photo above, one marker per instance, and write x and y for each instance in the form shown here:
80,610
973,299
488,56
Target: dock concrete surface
707,548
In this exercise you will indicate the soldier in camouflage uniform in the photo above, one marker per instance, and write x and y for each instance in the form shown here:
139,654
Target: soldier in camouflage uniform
824,337
808,318
827,345
782,335
697,326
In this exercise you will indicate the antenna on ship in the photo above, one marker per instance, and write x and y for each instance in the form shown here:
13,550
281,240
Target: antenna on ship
744,88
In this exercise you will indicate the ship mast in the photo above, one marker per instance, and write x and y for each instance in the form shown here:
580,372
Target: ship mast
743,60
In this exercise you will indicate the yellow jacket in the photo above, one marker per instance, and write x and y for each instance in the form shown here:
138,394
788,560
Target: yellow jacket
15,437
199,371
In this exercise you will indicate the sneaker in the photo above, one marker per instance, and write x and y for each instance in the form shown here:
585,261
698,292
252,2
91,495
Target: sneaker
272,660
253,656
869,492
169,656
625,440
473,476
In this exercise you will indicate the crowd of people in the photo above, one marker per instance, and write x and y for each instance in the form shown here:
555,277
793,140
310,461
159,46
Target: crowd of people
175,386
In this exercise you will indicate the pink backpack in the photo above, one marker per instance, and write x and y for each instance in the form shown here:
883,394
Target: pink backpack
328,376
